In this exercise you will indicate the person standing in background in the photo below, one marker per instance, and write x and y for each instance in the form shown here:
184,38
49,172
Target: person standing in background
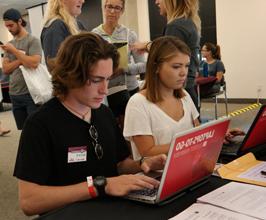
124,84
24,50
183,21
215,67
60,22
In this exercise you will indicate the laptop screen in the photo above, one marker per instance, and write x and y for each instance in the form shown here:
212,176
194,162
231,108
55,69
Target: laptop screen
256,134
193,155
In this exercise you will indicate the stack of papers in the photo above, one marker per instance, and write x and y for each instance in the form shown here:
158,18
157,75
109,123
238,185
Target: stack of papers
200,211
233,201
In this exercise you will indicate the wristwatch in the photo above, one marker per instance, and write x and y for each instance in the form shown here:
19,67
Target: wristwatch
99,183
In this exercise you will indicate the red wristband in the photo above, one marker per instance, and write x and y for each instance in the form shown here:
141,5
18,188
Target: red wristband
91,188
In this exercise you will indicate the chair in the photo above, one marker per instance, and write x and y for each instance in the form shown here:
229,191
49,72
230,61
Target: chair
212,95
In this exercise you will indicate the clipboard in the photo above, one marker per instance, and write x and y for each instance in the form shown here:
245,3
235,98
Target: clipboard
119,44
122,49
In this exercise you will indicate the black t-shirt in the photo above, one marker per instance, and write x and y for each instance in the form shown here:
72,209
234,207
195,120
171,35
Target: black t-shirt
49,134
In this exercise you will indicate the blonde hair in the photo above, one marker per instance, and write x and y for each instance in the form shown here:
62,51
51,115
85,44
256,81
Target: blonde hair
183,9
57,10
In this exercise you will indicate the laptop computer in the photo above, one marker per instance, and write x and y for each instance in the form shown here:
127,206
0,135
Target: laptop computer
255,137
191,159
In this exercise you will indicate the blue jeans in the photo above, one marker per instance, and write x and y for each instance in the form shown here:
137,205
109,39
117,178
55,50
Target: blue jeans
22,107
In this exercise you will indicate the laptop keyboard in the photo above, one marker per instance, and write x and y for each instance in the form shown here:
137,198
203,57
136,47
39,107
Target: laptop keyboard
145,192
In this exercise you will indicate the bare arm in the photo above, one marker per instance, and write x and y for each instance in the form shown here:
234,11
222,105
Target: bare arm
196,123
219,76
9,67
146,146
140,47
27,61
37,199
128,166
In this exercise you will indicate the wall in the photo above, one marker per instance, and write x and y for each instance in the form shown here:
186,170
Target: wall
36,14
241,32
143,21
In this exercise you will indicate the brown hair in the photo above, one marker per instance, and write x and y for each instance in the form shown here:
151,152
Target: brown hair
215,50
76,57
162,49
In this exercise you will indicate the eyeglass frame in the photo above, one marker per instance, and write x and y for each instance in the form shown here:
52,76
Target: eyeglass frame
116,8
98,150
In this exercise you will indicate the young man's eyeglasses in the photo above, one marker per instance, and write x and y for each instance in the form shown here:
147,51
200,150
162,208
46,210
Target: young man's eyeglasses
97,147
115,8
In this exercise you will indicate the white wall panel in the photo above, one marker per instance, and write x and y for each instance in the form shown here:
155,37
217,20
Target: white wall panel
241,33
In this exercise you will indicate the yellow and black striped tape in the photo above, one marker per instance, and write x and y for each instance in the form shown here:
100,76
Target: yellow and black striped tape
242,110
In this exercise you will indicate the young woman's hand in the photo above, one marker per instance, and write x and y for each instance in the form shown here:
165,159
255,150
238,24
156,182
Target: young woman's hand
231,133
153,163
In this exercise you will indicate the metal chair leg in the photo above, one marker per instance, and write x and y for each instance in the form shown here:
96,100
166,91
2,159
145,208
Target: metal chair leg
226,103
198,91
216,104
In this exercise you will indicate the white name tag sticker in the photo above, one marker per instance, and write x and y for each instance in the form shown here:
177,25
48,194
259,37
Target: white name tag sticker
77,154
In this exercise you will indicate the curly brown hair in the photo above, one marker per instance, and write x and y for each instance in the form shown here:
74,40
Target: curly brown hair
75,59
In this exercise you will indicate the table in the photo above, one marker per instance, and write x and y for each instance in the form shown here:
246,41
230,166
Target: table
119,208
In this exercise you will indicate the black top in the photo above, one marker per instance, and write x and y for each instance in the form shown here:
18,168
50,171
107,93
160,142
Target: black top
186,31
49,133
53,35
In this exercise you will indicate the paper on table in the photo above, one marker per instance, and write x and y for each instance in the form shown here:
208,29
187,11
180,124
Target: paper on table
254,173
199,211
239,197
241,165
